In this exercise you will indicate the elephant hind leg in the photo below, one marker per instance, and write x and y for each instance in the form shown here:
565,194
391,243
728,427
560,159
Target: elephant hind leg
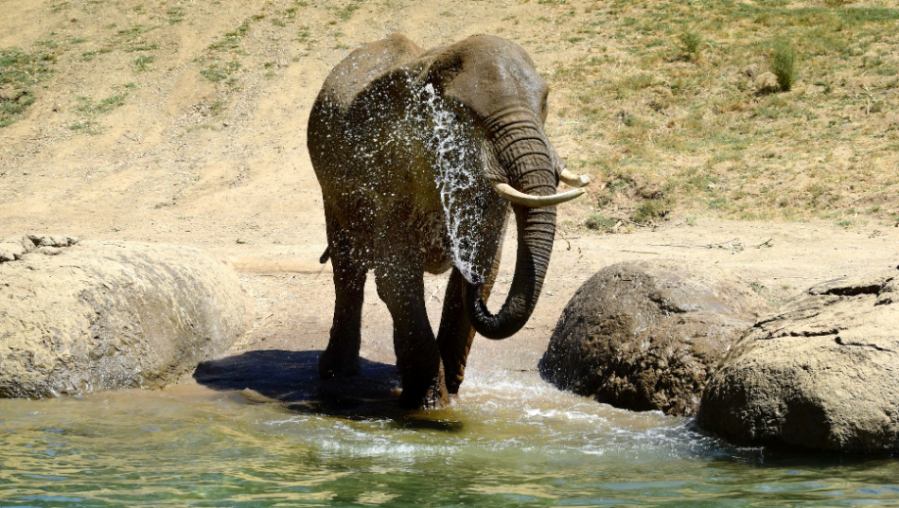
417,355
341,357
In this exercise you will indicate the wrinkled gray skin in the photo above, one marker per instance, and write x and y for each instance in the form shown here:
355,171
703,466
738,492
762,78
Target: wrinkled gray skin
372,146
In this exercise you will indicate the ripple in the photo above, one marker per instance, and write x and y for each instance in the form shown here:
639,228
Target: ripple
507,441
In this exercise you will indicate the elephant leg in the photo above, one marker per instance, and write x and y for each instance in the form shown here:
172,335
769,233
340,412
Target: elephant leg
456,332
341,357
401,287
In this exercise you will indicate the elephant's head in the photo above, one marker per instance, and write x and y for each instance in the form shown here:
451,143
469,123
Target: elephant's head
492,84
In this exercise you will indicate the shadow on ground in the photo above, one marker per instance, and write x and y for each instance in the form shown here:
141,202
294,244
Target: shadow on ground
291,378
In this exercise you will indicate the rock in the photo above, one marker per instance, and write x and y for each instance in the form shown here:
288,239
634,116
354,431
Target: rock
15,247
751,70
823,375
52,241
892,122
766,83
12,95
112,315
647,336
11,251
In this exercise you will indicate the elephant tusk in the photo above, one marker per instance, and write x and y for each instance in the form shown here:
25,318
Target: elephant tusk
573,179
519,198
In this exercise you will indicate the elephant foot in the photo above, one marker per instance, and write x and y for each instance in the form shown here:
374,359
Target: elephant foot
424,388
453,382
424,391
334,364
434,397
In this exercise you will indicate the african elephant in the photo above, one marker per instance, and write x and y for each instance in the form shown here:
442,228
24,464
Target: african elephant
419,156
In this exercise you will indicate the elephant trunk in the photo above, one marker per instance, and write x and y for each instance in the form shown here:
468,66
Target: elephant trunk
525,154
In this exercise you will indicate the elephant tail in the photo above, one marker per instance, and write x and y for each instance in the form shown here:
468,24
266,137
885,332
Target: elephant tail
325,255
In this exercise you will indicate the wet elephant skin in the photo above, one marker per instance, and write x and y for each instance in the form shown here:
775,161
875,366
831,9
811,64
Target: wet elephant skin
408,146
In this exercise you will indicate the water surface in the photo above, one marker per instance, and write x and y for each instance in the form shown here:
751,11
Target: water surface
509,440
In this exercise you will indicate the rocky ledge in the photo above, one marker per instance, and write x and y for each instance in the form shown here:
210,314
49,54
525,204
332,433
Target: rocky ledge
78,316
821,375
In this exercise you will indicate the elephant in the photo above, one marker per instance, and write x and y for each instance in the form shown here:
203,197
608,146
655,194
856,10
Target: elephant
420,156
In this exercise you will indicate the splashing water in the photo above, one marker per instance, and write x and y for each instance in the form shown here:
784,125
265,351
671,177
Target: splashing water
457,178
514,441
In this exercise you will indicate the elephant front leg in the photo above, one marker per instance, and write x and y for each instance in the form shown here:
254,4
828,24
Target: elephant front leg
417,355
456,332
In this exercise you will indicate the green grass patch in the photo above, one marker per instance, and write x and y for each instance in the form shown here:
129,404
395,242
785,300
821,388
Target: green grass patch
86,105
142,63
175,15
90,110
86,127
346,12
230,41
133,33
145,47
19,73
219,71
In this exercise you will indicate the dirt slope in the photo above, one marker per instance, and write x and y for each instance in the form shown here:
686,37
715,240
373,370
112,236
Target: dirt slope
184,122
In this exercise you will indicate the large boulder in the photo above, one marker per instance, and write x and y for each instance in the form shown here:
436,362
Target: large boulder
822,375
78,317
647,336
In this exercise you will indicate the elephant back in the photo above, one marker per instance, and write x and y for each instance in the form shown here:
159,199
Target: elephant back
363,66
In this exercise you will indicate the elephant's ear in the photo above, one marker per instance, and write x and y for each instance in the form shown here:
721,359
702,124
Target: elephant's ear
443,70
456,79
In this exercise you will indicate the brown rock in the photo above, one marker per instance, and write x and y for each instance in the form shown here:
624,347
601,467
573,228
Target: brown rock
646,336
822,375
103,315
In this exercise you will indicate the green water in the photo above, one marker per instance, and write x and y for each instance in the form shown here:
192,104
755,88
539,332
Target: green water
505,442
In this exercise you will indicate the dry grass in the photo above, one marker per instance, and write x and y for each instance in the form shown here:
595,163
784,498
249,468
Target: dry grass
670,127
664,102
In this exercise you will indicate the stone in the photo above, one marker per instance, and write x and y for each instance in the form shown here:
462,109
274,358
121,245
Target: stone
821,375
11,251
752,70
112,315
648,335
52,240
15,247
766,83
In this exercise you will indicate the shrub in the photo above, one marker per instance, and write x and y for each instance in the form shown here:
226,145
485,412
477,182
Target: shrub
600,222
690,42
783,65
651,209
